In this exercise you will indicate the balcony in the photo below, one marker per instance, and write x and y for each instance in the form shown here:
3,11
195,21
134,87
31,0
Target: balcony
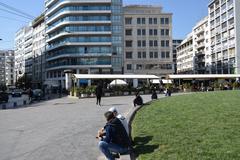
201,38
231,45
230,26
231,36
201,45
218,41
217,24
225,47
230,6
224,19
217,15
224,29
224,38
230,16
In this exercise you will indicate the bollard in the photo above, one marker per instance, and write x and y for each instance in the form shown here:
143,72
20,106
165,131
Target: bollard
24,102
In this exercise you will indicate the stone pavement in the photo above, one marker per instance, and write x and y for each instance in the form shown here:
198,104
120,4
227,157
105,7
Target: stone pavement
58,129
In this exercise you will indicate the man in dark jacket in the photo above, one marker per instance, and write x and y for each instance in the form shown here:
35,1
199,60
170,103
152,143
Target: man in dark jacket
99,94
138,100
113,138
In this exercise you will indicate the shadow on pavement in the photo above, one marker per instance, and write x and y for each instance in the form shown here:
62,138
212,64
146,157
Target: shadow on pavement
141,145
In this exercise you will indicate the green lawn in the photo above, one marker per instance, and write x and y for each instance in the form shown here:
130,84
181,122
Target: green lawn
197,126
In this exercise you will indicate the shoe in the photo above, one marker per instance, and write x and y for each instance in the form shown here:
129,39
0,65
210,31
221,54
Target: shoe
115,155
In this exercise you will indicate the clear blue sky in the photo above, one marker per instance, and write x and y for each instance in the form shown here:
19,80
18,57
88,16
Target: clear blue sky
186,13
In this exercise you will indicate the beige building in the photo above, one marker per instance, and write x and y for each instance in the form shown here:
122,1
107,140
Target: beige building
7,67
147,41
185,56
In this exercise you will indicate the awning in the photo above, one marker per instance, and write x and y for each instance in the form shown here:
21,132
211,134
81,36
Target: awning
203,76
166,81
113,76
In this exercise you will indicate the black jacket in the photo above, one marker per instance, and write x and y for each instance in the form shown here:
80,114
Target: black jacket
116,133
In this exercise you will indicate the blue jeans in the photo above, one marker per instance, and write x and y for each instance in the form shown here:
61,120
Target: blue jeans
107,148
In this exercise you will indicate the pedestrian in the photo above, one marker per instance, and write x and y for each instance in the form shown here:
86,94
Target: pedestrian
120,117
113,137
99,94
30,95
138,100
154,95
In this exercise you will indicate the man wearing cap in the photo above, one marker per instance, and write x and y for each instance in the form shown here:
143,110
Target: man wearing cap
120,117
114,138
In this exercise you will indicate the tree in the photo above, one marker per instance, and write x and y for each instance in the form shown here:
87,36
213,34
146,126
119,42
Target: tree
24,82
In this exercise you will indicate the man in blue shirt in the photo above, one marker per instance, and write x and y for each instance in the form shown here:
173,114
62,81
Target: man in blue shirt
113,138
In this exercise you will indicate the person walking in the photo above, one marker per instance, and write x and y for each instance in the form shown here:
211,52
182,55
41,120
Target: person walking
154,95
99,94
113,138
120,117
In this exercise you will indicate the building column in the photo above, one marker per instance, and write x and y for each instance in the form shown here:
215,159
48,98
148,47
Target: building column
135,83
89,80
78,80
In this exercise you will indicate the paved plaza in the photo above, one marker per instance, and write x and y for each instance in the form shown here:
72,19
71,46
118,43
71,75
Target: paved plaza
58,129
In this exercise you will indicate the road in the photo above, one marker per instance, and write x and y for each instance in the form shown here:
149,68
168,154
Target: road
59,129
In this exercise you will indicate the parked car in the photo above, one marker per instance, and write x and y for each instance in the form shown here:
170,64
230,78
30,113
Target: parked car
17,92
37,94
4,97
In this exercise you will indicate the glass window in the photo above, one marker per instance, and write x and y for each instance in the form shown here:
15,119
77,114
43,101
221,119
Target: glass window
128,32
139,43
128,43
162,43
128,20
128,55
143,54
139,32
166,20
138,20
162,32
163,55
167,55
144,43
150,43
129,66
155,54
167,43
143,32
143,21
167,32
155,43
155,31
139,55
150,54
155,20
150,20
150,32
162,20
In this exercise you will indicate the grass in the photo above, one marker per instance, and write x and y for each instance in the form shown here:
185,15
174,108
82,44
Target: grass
200,126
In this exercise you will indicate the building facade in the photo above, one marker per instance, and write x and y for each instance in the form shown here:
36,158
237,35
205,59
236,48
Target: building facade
7,67
28,51
201,47
148,41
83,36
225,36
39,45
185,56
175,43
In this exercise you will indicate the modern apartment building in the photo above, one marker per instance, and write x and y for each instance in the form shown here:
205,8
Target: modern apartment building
148,41
225,36
83,36
175,43
185,56
201,47
39,43
19,53
7,67
28,51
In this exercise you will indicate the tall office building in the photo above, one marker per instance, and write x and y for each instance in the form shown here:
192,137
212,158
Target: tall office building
7,67
28,51
83,36
225,36
148,41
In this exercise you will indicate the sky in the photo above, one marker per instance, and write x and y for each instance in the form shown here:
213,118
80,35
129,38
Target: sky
186,13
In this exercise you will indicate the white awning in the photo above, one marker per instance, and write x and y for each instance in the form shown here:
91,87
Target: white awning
113,76
203,76
167,81
155,81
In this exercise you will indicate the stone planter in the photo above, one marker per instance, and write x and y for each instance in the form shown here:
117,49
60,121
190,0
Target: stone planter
186,90
83,95
92,95
125,93
141,92
107,94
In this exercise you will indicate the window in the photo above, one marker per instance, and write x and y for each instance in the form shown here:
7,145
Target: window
150,43
144,43
167,55
163,55
139,55
162,32
155,20
155,43
143,32
143,20
167,32
155,31
139,43
155,54
162,43
128,32
143,54
129,66
128,20
138,20
151,55
128,43
150,20
128,55
139,32
150,32
162,20
167,43
166,20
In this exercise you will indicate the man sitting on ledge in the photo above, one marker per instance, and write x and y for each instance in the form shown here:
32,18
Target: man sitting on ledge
113,138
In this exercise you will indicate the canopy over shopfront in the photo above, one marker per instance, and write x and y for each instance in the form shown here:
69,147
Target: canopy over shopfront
203,76
113,76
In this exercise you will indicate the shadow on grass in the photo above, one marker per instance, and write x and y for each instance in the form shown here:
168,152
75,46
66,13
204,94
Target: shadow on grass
141,145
